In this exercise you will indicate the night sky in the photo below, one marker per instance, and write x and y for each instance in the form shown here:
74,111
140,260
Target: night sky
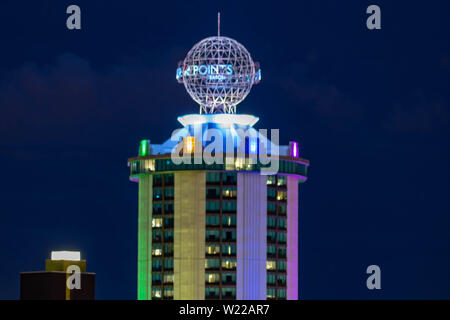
369,107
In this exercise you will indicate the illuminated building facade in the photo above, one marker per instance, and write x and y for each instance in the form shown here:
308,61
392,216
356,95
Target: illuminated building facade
223,229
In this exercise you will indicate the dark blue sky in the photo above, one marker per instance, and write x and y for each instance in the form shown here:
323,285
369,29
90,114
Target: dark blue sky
370,109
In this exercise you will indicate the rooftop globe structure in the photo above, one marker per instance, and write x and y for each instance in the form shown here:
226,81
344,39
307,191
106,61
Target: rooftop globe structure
218,73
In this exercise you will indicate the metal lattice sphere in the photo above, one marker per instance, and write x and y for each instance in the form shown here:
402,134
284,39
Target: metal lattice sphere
218,73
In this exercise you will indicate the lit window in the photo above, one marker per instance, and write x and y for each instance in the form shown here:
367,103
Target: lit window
281,181
189,144
168,293
212,278
156,252
156,293
212,249
157,222
281,195
168,278
229,264
271,265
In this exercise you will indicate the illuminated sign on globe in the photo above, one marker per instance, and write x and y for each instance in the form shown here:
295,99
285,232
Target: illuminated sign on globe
218,73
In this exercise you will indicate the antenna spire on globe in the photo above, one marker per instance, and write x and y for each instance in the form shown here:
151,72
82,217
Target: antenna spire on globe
218,73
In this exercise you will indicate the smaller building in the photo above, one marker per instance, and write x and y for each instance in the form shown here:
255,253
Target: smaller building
64,278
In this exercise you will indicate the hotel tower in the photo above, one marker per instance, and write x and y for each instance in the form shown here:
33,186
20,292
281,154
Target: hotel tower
218,201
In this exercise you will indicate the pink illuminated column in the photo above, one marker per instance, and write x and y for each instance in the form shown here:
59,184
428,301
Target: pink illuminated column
292,238
251,236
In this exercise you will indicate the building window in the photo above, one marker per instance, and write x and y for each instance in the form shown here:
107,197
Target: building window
212,206
168,222
281,265
157,194
271,265
271,236
212,263
212,193
229,264
157,222
168,292
168,236
229,193
211,292
212,235
156,236
156,264
271,279
281,196
156,293
228,250
157,208
271,194
215,249
156,278
169,179
270,293
229,278
168,250
168,208
271,251
281,181
281,280
281,237
229,221
281,252
168,264
157,180
212,221
271,222
229,206
270,180
212,278
229,178
228,292
168,193
281,294
168,278
228,235
213,177
156,250
271,208
282,210
282,223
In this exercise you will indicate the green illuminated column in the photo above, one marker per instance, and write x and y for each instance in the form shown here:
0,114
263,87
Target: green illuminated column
189,237
145,238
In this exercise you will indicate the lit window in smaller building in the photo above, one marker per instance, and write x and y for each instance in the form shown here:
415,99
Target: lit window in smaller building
271,265
157,222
